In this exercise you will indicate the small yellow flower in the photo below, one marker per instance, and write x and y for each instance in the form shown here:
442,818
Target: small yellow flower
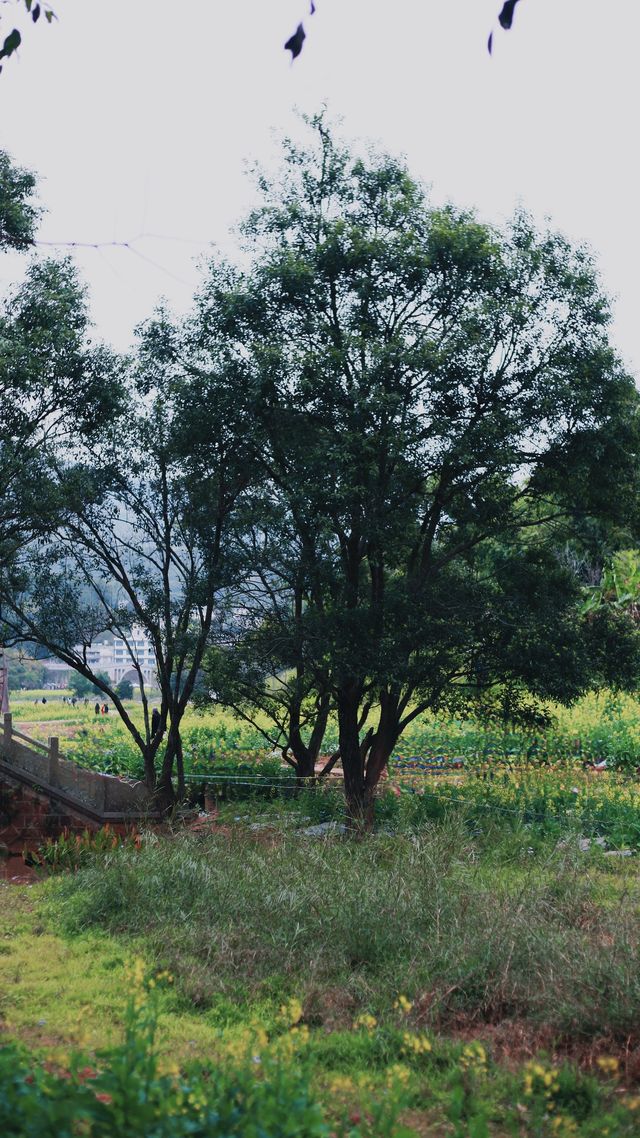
398,1074
290,1013
341,1084
415,1044
563,1126
473,1058
366,1021
403,1005
608,1064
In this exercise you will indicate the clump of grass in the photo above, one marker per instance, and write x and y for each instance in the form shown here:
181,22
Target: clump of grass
262,916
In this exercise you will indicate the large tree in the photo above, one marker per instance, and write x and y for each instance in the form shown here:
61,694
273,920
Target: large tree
135,533
440,402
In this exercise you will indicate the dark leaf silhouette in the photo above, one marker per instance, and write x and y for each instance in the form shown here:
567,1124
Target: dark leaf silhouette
490,43
295,42
312,8
11,43
506,15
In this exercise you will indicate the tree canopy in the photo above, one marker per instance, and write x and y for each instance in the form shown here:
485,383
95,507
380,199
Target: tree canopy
438,399
346,483
129,530
18,211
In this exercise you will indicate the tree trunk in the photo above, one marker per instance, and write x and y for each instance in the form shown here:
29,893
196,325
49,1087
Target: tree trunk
363,761
305,770
358,803
182,790
164,798
149,769
304,760
165,793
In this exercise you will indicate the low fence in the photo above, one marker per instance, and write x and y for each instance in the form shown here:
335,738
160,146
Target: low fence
43,766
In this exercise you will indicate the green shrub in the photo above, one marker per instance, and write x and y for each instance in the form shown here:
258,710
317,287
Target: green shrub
123,1094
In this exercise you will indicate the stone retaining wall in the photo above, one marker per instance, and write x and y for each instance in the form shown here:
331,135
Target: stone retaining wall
102,793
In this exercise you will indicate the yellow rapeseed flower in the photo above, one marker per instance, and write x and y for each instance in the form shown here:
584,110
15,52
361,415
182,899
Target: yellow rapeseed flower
397,1073
563,1126
415,1044
341,1084
473,1058
290,1013
366,1021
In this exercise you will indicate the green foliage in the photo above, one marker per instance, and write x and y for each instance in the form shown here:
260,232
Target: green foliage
24,672
619,587
18,214
124,1092
46,359
125,689
81,685
71,850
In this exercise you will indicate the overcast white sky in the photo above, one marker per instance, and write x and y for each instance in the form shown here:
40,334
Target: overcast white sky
139,116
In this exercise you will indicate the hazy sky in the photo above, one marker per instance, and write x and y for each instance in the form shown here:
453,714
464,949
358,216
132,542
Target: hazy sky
140,115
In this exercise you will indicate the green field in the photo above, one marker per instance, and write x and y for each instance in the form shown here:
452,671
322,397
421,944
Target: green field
599,726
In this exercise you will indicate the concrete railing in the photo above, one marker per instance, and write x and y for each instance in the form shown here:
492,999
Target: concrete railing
45,767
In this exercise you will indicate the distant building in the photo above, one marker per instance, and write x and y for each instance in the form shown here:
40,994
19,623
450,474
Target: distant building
140,647
111,656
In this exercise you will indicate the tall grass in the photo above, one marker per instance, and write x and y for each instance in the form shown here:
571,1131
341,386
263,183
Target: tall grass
348,926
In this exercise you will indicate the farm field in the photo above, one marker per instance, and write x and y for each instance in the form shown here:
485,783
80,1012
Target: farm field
600,726
507,778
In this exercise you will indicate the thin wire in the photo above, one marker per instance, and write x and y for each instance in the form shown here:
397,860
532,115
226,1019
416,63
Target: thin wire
231,780
129,246
123,244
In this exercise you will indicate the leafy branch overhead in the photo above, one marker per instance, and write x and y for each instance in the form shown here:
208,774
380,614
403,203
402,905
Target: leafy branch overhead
505,19
12,42
295,42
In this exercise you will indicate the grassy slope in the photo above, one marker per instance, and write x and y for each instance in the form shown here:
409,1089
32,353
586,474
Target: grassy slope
58,991
248,921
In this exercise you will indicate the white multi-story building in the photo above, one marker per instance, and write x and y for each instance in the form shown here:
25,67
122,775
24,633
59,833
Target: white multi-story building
138,649
114,656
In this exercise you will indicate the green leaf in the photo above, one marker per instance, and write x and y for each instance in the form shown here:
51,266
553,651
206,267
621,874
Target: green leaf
11,43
